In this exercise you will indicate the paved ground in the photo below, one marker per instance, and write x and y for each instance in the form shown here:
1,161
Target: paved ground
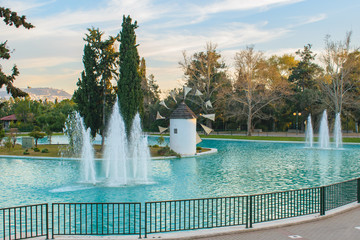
342,226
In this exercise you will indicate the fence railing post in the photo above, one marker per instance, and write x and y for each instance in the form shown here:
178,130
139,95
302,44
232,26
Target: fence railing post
140,219
145,220
358,190
52,221
322,201
47,221
249,214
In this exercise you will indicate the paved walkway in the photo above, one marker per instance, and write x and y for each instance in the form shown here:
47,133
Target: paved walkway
341,226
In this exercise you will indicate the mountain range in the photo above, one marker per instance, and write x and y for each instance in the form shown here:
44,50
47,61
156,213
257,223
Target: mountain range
49,94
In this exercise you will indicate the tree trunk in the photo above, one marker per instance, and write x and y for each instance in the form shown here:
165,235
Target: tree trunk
249,130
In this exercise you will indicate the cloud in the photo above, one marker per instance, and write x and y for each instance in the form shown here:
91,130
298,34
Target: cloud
44,62
23,6
234,5
303,20
169,45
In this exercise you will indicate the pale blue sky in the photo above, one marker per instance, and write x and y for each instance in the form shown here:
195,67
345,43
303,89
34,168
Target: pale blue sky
51,54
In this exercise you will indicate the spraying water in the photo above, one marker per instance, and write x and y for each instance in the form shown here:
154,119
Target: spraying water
116,150
324,137
125,162
337,131
80,141
87,157
139,152
309,132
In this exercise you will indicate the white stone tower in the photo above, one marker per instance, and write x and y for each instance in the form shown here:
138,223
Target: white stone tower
183,130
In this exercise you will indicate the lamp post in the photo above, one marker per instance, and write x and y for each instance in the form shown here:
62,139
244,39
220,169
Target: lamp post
297,114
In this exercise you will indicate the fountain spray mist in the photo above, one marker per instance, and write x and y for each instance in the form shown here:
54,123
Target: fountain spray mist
337,131
116,150
87,152
139,152
324,137
309,132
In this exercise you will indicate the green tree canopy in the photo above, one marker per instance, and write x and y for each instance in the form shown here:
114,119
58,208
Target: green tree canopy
95,93
12,19
129,84
305,73
87,96
37,134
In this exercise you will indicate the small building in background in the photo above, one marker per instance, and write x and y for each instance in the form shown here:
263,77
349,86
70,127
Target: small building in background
183,130
7,120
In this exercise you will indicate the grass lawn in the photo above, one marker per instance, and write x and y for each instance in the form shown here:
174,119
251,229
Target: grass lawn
56,149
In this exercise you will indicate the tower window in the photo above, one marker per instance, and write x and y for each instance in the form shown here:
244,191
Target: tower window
175,130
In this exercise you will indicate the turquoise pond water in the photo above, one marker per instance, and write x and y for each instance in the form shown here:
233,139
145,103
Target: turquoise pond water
239,168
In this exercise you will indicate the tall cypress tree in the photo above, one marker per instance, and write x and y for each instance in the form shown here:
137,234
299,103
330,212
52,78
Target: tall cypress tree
129,83
88,94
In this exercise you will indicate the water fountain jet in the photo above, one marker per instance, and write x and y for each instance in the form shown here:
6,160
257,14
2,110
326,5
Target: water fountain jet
309,132
337,131
324,137
116,150
139,152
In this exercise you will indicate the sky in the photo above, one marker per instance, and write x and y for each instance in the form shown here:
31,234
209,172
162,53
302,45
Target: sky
50,55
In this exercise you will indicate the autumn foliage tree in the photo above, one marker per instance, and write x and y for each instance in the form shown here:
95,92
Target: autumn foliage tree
341,73
207,72
257,84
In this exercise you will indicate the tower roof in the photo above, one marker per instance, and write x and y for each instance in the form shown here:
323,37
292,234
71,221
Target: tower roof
182,112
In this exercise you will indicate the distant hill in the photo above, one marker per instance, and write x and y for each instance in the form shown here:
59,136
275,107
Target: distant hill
41,93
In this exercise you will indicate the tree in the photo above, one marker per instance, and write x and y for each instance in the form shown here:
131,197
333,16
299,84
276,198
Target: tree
12,19
256,86
304,81
151,97
339,82
129,83
206,72
305,73
95,93
37,134
87,96
284,64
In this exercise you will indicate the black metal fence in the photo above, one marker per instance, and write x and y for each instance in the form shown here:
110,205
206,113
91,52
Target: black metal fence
96,219
167,216
24,222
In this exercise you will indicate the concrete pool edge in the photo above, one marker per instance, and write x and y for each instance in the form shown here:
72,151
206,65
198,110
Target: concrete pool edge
212,151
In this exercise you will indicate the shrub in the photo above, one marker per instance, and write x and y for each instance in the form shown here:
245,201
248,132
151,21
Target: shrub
26,152
45,150
8,142
166,151
161,140
155,146
36,149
